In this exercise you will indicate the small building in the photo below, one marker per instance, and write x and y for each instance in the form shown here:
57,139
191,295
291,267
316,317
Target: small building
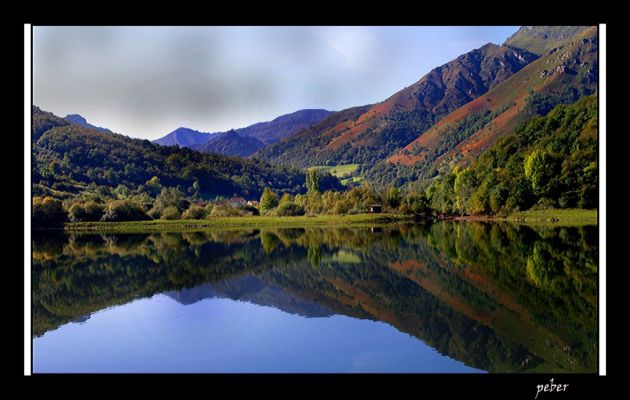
376,208
253,203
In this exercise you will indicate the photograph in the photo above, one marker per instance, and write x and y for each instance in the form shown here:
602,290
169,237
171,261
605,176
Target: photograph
315,199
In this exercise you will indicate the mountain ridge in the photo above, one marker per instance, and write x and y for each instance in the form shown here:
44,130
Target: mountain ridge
231,143
266,132
388,125
80,120
572,66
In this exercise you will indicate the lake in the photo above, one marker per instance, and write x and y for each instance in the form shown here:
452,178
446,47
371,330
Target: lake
449,297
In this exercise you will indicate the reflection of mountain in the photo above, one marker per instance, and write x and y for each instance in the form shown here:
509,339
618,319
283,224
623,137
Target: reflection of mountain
496,297
251,289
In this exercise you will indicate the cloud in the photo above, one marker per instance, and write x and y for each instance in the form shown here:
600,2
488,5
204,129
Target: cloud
355,46
146,81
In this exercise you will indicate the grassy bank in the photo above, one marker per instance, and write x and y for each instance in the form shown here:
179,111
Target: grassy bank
552,217
256,221
572,216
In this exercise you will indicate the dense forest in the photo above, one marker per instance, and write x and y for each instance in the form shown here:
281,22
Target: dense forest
548,161
71,162
69,159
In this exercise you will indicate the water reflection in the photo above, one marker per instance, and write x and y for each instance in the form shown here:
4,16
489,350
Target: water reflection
497,297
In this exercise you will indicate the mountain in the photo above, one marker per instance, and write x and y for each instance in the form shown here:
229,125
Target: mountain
71,160
231,143
252,289
561,76
541,39
264,132
79,120
371,133
284,126
185,137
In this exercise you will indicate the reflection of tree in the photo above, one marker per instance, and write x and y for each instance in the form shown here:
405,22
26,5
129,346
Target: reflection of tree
315,255
464,288
550,272
541,267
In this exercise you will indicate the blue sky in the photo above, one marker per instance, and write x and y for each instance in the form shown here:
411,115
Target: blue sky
147,81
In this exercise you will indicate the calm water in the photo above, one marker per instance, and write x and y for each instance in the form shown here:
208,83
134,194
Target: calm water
450,297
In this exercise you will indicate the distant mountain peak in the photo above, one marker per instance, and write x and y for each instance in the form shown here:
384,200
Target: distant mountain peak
184,137
80,120
245,141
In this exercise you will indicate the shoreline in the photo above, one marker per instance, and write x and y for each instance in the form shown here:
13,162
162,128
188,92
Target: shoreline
236,222
552,217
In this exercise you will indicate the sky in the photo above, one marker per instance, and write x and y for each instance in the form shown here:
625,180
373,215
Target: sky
147,81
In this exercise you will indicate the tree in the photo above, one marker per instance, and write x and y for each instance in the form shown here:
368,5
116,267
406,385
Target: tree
88,211
123,210
290,209
268,200
539,169
122,191
170,197
312,181
170,213
195,212
47,211
285,198
393,197
464,186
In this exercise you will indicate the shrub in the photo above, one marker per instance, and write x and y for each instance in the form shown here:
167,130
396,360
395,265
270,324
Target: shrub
195,212
88,211
290,209
219,211
170,213
154,213
47,211
250,210
123,210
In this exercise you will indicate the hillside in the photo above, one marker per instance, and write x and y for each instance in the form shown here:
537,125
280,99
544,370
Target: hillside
43,121
231,143
371,133
561,76
79,120
71,160
548,161
541,39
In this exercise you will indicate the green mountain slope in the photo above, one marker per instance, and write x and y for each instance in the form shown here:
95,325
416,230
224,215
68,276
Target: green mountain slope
549,161
561,76
71,159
